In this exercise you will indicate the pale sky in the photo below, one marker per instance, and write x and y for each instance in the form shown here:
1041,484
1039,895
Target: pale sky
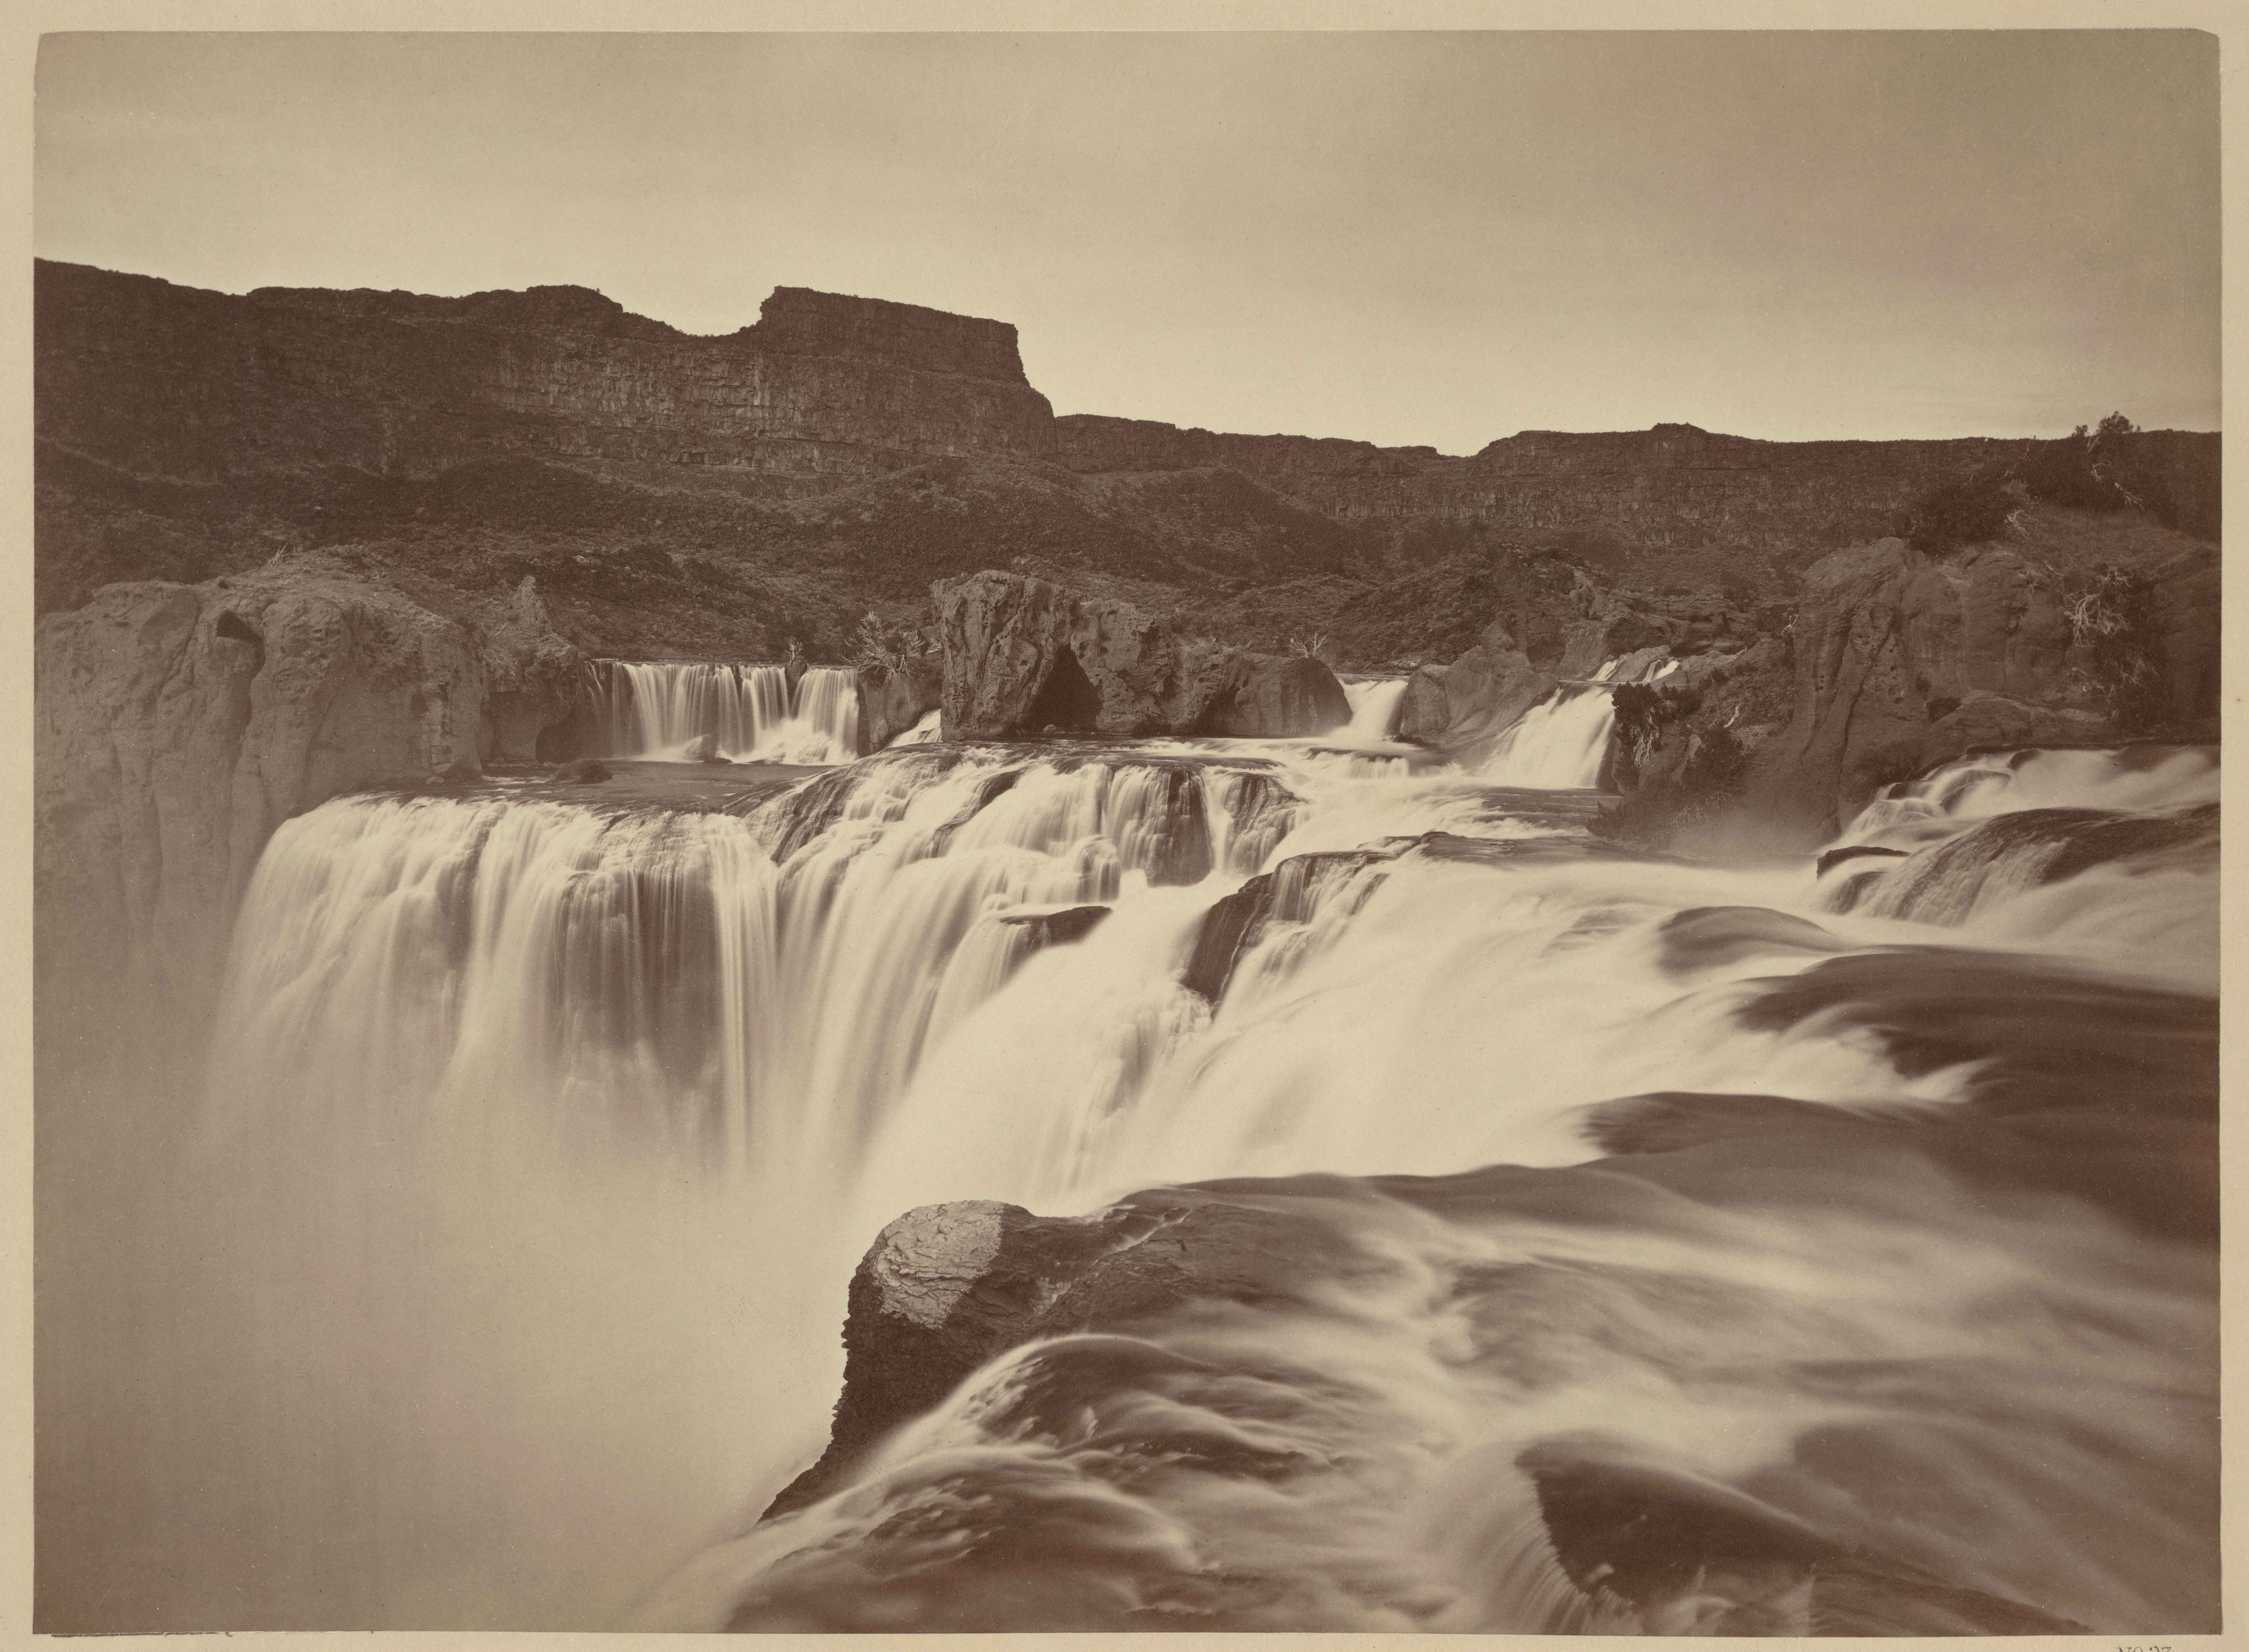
1435,239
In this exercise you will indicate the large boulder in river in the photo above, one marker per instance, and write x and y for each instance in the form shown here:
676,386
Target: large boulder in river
1023,657
176,725
1462,709
1903,660
945,1288
1193,1351
1279,698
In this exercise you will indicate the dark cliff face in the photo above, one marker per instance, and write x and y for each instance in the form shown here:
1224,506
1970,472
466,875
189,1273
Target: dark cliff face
160,380
167,381
1674,485
798,322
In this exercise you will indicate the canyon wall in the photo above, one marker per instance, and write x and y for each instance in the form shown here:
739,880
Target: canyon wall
169,381
166,381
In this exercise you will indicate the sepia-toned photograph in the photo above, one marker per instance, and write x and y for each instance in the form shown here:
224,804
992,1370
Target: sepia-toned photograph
1359,832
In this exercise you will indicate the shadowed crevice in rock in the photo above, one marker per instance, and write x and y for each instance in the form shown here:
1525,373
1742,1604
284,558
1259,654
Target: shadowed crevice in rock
1022,655
1066,702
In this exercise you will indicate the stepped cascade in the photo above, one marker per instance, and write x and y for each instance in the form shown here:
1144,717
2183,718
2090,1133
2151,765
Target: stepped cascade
709,958
542,1137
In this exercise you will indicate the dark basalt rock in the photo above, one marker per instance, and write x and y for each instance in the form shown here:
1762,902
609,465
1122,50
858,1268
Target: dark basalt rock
1023,657
1279,698
945,1287
1056,929
1152,1291
1835,857
1290,893
1225,927
1940,883
1886,638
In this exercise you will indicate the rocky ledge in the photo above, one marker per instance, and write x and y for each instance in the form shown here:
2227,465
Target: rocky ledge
1024,657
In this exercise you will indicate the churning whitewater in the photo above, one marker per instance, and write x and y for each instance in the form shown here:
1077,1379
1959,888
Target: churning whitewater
1782,1200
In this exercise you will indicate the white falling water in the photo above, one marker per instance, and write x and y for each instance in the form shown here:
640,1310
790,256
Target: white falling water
1374,703
923,732
1561,743
659,709
541,1141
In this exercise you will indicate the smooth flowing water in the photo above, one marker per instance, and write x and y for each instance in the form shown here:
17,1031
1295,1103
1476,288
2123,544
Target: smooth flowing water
1856,1217
1374,706
750,713
1561,741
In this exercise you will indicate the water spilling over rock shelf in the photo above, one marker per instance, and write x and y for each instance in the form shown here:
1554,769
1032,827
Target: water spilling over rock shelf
1446,1218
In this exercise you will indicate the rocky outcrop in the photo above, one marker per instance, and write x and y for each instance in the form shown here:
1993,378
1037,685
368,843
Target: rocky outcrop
1146,1319
946,1287
1462,709
1278,698
534,679
1024,657
177,725
893,698
1902,661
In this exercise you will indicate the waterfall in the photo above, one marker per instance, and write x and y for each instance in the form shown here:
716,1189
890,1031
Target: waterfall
540,1141
659,709
1374,703
1560,742
923,732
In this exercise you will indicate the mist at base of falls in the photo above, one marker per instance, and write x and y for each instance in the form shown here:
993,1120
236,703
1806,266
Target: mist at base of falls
492,1274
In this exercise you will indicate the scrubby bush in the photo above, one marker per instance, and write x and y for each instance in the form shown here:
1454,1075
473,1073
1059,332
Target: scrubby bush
895,646
1971,510
2113,621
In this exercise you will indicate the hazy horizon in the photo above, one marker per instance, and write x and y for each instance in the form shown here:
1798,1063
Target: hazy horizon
1432,240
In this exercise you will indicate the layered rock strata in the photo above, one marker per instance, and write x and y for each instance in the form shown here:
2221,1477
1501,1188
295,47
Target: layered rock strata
164,381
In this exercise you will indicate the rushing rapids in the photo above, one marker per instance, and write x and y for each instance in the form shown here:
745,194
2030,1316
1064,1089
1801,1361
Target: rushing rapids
1851,1222
748,713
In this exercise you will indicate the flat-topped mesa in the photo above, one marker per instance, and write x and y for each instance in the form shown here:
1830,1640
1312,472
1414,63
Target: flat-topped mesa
797,321
156,379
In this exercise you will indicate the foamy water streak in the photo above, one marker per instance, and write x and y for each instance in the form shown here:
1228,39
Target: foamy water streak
2103,854
926,731
972,972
